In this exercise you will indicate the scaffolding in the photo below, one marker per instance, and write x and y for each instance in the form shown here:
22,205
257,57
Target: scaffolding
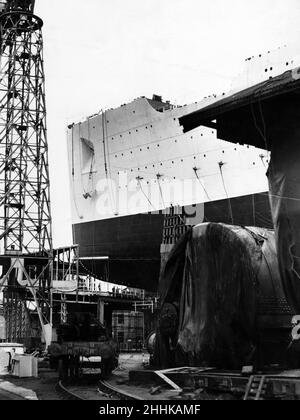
128,330
65,276
2,324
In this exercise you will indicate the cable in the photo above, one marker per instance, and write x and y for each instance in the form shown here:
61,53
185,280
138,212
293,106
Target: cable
221,164
264,219
107,162
196,173
104,145
264,133
281,196
73,155
90,179
257,126
86,193
162,197
158,176
264,125
139,179
262,159
73,180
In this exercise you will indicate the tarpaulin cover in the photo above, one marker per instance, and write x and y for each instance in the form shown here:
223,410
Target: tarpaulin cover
214,277
284,185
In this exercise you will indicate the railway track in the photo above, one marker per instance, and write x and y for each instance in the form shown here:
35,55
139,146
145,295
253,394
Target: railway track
109,389
104,388
66,394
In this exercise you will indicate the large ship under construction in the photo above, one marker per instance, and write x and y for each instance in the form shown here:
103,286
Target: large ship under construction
134,166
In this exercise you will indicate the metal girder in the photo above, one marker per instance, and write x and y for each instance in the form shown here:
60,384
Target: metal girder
25,217
24,5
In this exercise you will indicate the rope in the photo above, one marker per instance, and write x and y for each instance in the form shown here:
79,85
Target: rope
87,194
73,155
256,124
282,197
225,189
264,219
158,176
139,179
263,133
162,197
262,159
264,126
202,185
104,144
73,178
107,165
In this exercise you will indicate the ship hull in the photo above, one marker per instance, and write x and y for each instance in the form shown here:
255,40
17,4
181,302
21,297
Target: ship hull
126,250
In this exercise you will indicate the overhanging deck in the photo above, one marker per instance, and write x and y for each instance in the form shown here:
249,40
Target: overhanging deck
238,118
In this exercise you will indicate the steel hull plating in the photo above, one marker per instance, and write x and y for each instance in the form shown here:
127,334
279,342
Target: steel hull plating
132,243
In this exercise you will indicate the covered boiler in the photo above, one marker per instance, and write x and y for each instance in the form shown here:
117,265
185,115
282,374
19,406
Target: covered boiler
223,303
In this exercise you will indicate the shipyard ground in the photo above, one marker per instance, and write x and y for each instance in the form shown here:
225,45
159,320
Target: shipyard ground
131,381
10,390
7,396
117,387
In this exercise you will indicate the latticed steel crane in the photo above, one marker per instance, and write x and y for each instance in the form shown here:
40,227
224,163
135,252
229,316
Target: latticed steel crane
25,217
24,5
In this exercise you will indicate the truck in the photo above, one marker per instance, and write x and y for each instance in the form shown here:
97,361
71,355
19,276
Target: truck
83,342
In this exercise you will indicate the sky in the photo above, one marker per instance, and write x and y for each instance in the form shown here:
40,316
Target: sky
100,54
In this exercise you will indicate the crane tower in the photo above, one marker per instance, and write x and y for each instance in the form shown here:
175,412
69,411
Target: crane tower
25,217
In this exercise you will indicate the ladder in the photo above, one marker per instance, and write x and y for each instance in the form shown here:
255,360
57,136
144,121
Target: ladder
256,388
